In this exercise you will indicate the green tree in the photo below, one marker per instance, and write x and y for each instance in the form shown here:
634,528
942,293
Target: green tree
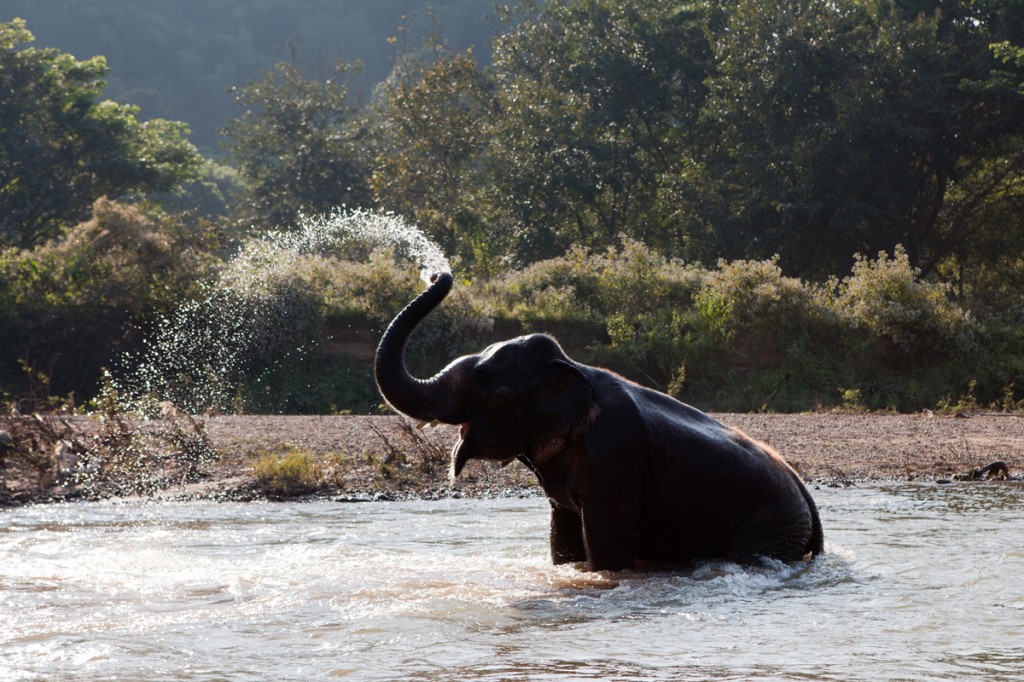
433,127
69,306
847,128
61,147
300,145
600,99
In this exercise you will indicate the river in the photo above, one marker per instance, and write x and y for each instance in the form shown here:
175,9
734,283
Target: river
919,582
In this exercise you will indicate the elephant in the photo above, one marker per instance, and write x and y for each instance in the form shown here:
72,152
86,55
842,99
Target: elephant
631,474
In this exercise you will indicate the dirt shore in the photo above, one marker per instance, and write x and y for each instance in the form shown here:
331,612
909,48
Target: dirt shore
387,457
825,448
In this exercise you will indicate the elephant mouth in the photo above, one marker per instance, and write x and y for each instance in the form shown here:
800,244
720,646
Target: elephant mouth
472,445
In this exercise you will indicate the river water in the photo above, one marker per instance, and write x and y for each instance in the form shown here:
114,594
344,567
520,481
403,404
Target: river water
919,582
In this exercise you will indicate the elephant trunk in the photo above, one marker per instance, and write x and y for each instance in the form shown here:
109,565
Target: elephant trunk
428,400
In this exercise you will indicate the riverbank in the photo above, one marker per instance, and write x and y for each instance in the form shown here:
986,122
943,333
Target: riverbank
386,457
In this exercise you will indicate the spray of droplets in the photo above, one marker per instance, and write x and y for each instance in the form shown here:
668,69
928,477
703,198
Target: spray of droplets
324,235
198,357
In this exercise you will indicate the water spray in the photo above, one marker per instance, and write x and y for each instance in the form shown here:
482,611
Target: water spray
196,356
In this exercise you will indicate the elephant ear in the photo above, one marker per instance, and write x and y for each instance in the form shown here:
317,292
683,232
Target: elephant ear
557,400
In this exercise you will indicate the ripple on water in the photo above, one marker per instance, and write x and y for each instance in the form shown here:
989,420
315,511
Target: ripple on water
917,583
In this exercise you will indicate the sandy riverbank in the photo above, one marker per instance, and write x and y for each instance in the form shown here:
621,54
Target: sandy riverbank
379,457
828,449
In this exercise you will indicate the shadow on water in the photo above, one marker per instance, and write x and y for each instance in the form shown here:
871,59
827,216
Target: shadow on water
914,578
643,624
958,499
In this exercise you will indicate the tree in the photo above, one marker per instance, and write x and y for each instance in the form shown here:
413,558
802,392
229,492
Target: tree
846,128
71,305
300,145
600,100
61,147
433,127
810,130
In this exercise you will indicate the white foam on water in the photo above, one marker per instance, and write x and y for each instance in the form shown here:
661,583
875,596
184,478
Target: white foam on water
464,589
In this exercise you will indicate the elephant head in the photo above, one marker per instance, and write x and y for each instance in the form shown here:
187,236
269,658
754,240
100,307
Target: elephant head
516,399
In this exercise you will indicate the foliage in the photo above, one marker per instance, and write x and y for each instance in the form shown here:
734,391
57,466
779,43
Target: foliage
589,286
431,129
756,298
61,148
678,191
69,305
209,197
852,144
314,382
681,126
744,336
378,288
677,125
888,297
598,100
299,145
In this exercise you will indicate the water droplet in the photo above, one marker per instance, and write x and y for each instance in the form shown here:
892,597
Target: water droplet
198,356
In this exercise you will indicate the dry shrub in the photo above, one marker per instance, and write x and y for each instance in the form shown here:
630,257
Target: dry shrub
53,454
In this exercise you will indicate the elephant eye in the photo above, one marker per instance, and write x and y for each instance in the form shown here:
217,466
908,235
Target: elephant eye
483,377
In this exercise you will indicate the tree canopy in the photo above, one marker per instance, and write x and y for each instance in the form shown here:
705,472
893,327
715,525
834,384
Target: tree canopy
62,147
809,130
299,145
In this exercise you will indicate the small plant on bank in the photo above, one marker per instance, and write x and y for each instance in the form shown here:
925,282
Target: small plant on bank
1009,403
287,473
852,401
963,404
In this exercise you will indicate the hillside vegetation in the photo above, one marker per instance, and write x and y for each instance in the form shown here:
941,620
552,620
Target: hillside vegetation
178,60
782,205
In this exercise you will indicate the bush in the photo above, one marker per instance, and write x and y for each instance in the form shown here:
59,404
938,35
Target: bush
750,325
635,280
289,473
587,286
743,336
70,305
888,297
647,301
378,288
618,307
740,336
561,288
755,299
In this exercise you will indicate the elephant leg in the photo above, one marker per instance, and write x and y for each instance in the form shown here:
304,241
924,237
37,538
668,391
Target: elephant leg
610,544
566,536
782,532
